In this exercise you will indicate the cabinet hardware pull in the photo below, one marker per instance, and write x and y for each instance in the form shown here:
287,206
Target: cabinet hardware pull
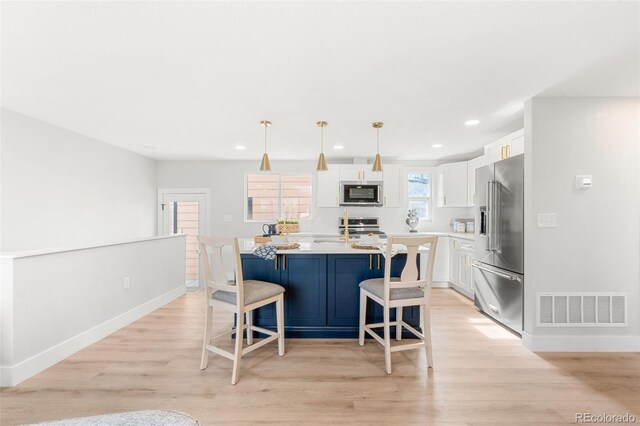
444,200
506,150
284,262
370,261
502,152
275,262
378,261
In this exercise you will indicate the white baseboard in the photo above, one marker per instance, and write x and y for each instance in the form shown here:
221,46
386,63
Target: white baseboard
440,284
572,343
13,375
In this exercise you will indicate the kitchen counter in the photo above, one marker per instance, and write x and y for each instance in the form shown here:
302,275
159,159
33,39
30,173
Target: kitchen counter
331,244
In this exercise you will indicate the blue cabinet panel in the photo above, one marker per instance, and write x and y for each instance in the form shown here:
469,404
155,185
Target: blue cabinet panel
304,278
345,273
255,268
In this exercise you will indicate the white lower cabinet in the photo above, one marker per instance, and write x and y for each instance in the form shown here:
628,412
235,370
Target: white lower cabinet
461,255
441,262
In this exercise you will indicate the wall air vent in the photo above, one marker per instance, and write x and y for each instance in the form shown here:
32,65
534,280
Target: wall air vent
582,310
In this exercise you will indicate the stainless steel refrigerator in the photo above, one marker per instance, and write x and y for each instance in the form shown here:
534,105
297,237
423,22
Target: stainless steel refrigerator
498,268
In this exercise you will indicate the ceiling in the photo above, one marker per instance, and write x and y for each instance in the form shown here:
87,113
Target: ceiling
191,80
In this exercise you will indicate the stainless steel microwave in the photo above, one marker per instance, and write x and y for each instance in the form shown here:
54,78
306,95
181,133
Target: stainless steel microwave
361,194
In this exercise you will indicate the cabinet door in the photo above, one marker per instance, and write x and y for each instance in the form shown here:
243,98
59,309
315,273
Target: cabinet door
455,262
351,172
371,176
441,264
392,186
329,187
471,181
255,268
516,147
304,277
494,154
466,271
344,275
452,185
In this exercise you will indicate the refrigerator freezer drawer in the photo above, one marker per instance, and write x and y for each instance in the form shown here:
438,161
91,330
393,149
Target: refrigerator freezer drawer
499,294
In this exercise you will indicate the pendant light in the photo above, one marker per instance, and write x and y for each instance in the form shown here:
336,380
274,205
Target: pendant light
265,165
377,162
322,162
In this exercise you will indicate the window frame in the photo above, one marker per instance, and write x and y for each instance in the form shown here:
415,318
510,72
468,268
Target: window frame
425,171
279,174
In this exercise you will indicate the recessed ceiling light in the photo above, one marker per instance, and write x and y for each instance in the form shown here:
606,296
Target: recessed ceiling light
436,145
471,122
150,147
338,147
241,147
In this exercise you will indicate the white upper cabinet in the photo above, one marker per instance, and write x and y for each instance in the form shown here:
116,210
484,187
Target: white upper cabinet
391,185
359,172
505,147
452,185
328,187
472,165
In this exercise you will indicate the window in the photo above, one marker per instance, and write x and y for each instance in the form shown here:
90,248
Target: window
271,196
419,193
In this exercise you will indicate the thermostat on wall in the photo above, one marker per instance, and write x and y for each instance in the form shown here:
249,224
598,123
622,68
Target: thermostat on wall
584,181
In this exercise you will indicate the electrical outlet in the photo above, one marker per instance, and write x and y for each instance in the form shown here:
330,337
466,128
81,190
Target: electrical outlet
126,283
546,220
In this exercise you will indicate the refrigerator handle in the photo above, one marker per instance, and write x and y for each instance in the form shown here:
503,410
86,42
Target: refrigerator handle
489,215
495,216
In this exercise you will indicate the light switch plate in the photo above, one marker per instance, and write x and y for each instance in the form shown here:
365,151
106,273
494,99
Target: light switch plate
126,283
546,220
227,218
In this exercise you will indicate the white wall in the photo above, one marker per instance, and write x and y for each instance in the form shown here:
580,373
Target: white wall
57,303
596,244
60,188
226,181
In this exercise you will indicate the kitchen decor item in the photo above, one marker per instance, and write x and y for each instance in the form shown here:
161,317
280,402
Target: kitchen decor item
288,246
322,162
369,239
280,240
412,220
271,229
261,239
265,165
287,226
364,246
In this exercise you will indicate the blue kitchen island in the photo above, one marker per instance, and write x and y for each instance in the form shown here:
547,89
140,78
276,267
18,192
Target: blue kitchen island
322,289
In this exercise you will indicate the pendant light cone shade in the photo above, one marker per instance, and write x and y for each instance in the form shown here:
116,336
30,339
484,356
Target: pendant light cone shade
322,161
265,165
377,162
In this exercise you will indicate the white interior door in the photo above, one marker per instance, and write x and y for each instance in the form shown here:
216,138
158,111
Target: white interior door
182,212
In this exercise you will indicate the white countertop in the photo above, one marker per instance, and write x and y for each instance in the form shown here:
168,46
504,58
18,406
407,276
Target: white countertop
311,243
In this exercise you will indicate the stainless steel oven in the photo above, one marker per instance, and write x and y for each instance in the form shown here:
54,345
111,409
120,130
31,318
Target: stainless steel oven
360,194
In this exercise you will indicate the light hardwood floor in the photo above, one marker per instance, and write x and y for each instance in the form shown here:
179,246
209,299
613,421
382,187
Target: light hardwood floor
482,375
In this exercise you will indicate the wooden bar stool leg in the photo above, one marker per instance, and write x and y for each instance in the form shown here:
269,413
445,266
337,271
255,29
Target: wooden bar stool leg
207,337
399,323
280,324
249,325
235,375
387,340
363,316
425,323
